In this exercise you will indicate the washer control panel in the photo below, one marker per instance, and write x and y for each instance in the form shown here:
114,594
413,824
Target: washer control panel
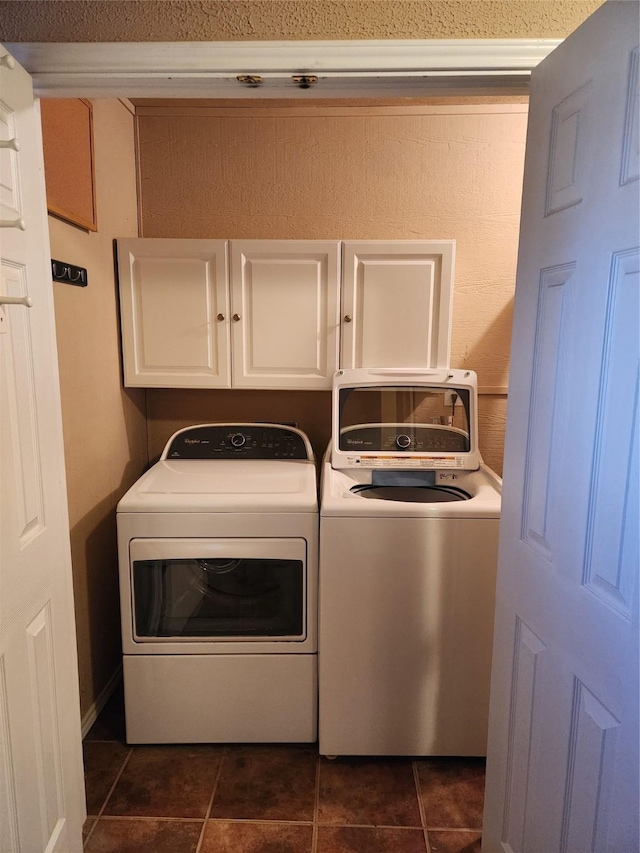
238,441
410,438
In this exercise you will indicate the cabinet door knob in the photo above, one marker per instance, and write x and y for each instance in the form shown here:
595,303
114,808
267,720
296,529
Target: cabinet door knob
236,317
221,317
348,318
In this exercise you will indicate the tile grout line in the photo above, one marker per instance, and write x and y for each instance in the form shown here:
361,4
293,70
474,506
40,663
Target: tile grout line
196,819
274,822
423,813
455,829
305,823
106,799
85,841
277,821
316,809
393,826
210,806
149,818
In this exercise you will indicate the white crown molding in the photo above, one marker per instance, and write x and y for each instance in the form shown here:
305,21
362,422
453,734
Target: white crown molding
343,68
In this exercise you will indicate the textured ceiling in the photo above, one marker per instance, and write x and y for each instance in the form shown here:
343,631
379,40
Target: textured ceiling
236,20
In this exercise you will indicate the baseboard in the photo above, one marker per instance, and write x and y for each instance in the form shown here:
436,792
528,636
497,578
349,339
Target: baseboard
103,697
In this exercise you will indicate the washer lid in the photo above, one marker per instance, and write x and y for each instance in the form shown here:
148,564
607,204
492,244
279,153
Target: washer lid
404,418
224,485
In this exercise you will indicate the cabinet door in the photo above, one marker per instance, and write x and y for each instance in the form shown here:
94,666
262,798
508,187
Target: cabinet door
175,313
284,296
396,303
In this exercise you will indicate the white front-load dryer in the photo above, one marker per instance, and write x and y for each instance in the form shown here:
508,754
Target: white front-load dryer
218,556
408,552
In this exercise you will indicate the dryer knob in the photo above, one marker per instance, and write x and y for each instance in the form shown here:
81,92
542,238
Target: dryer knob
403,441
238,440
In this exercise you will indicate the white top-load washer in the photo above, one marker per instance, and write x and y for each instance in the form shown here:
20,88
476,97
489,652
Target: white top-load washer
218,547
408,551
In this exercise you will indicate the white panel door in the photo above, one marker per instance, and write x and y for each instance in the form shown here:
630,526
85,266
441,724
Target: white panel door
175,313
284,296
396,303
562,773
41,779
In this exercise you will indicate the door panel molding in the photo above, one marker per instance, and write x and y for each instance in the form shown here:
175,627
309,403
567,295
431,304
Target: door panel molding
22,407
528,663
8,799
569,132
551,330
592,743
608,568
630,170
47,745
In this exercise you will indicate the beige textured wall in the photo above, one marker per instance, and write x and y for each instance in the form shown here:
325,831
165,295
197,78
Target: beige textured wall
345,173
221,20
104,425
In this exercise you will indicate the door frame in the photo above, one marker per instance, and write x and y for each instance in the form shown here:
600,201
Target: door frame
349,70
345,69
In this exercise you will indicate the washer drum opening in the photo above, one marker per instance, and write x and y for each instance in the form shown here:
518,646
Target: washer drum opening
411,494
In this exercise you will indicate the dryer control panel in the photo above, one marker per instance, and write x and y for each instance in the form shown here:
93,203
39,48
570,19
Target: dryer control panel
238,441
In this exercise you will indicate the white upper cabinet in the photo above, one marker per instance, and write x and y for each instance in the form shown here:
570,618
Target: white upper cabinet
175,313
285,313
272,318
396,303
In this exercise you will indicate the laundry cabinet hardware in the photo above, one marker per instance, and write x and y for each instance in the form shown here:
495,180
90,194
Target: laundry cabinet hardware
308,307
252,81
304,81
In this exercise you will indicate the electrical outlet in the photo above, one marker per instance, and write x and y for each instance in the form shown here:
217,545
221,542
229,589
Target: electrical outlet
448,398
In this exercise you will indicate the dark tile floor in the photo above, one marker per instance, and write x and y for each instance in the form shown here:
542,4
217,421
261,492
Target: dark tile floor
272,799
